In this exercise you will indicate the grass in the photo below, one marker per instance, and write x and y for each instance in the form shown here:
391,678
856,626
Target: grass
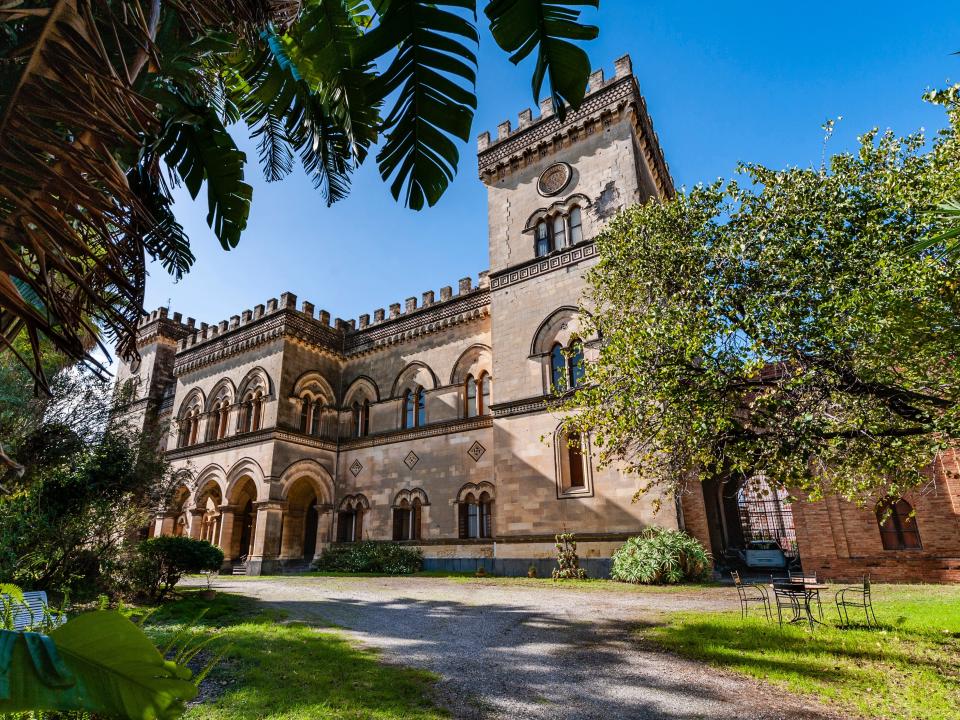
290,671
906,670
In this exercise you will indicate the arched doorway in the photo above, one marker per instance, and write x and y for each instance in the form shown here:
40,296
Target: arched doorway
237,539
301,522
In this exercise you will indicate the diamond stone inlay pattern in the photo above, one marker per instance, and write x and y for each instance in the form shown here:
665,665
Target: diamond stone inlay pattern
411,459
476,451
356,468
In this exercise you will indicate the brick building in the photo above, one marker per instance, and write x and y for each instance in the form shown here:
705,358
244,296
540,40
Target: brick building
428,423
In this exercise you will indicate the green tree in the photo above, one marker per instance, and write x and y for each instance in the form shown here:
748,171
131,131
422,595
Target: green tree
102,100
778,325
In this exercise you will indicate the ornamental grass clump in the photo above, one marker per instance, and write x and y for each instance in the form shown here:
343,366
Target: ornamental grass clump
371,557
661,557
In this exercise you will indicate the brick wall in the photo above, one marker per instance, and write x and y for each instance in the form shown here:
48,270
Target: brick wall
841,541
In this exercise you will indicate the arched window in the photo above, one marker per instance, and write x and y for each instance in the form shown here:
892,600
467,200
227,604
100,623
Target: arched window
542,243
365,418
576,226
484,383
575,360
355,419
476,516
257,403
223,420
558,369
406,520
421,407
559,232
350,519
572,463
898,525
315,417
408,415
470,398
304,415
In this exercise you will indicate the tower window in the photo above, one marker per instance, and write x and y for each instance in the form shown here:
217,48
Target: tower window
558,231
898,525
566,366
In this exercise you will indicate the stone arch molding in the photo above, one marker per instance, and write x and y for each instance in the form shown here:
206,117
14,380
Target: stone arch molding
562,206
194,399
256,379
410,496
223,390
314,385
415,374
560,326
354,502
362,388
476,489
475,360
240,471
311,471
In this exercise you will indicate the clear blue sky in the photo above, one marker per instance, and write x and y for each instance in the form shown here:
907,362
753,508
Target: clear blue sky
724,82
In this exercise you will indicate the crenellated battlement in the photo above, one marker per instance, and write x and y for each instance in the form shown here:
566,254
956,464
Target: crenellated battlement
607,101
623,68
193,339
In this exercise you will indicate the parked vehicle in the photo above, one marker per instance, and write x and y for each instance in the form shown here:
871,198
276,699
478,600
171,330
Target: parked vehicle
764,554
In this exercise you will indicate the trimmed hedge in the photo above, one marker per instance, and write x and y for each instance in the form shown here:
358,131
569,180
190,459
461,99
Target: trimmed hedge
661,557
371,557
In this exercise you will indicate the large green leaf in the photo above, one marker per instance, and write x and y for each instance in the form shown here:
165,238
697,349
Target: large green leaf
98,662
949,236
520,26
198,146
432,65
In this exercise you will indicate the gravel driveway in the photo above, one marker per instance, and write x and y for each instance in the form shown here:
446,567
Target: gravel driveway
510,652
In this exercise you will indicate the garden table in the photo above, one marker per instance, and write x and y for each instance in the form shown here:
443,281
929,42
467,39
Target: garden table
803,593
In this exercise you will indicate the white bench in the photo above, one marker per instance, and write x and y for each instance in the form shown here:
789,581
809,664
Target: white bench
32,610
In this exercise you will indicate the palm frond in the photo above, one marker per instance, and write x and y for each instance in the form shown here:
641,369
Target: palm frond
947,216
547,26
433,73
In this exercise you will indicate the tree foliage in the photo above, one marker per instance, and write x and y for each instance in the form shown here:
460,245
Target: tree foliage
160,562
779,325
104,103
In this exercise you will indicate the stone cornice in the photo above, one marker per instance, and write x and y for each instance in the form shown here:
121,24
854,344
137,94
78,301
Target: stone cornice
524,406
443,428
543,265
432,318
251,438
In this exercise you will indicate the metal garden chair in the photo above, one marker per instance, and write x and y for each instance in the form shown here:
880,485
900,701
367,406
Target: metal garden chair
751,593
808,579
858,597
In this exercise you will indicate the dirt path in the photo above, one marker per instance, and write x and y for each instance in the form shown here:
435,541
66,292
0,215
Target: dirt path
508,652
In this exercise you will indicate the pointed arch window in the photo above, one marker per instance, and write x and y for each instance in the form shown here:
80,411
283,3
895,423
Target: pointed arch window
576,226
471,409
355,419
315,417
476,516
898,525
559,232
558,368
408,414
304,414
365,418
484,383
573,464
542,241
575,361
406,520
421,407
566,366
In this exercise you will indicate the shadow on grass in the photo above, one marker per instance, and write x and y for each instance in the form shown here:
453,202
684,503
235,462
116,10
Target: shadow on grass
275,669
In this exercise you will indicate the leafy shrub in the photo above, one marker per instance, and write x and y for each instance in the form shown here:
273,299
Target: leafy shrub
162,561
661,557
372,557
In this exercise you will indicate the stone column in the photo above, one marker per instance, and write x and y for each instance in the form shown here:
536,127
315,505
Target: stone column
225,541
267,534
291,543
324,528
196,523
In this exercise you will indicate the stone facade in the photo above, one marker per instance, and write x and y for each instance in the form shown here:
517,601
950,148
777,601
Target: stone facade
427,423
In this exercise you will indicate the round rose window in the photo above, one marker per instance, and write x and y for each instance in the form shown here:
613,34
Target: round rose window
554,179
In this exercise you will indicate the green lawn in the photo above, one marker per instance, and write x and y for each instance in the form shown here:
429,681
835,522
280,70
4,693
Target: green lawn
291,671
907,670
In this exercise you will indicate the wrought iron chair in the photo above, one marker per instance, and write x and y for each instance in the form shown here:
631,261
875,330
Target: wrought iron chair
856,597
809,579
788,599
751,593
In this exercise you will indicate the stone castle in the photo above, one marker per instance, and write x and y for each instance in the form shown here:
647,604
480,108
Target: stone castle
430,423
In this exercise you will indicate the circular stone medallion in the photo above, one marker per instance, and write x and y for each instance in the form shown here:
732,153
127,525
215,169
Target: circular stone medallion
554,179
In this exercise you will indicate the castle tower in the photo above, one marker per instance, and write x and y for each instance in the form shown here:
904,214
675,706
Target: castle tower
551,187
